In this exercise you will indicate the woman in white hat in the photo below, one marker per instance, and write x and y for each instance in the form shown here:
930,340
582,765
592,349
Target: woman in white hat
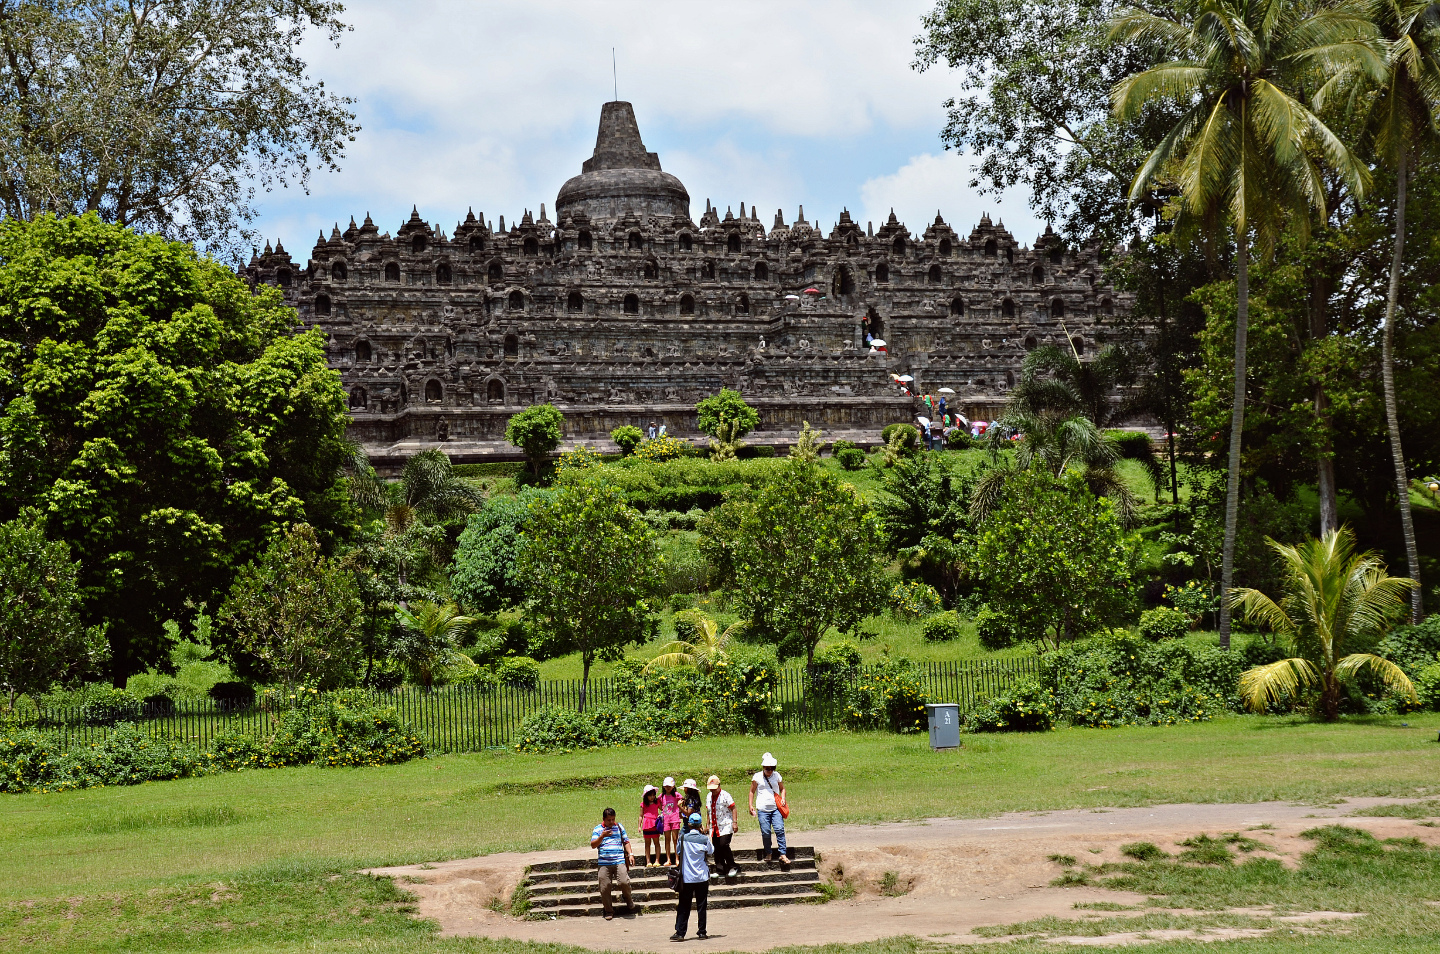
767,794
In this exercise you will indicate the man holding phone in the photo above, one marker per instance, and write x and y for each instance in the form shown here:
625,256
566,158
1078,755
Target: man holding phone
614,845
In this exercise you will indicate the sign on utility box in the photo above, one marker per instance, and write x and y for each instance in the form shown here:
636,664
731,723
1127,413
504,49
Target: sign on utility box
944,725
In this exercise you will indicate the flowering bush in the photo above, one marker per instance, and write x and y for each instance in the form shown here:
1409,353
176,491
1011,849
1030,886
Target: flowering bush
581,458
1162,622
1121,680
29,760
914,600
660,449
341,729
887,696
1194,599
1024,707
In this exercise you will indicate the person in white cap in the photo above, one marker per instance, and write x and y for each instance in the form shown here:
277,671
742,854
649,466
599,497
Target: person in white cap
670,813
692,802
767,794
724,820
652,826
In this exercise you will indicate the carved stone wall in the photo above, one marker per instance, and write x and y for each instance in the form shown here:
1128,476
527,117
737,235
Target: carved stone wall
623,317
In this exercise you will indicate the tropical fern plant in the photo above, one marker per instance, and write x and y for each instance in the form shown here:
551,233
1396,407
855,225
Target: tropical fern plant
1334,598
429,634
706,647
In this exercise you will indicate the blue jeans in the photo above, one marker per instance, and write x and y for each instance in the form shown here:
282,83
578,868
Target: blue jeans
772,821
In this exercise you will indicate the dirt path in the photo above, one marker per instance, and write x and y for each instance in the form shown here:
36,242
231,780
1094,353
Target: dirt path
958,874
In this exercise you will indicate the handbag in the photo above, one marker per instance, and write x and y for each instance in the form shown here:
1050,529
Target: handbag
780,804
672,878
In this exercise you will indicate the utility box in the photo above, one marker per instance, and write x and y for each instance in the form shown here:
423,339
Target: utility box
944,725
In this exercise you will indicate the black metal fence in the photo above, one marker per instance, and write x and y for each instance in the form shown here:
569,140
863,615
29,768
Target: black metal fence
468,717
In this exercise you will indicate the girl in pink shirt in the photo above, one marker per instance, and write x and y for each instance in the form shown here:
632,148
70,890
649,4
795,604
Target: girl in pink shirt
652,826
670,812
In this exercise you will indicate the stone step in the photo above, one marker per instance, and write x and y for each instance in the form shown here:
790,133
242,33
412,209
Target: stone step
588,864
748,869
662,892
647,877
666,907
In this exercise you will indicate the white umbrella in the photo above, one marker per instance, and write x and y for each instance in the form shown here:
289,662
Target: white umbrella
906,377
877,342
924,421
947,390
792,297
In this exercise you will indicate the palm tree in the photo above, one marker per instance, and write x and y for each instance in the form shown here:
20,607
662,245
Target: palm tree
1244,146
1405,111
1057,443
705,648
431,631
427,493
1334,597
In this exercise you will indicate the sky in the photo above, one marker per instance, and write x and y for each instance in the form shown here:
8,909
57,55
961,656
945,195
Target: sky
493,105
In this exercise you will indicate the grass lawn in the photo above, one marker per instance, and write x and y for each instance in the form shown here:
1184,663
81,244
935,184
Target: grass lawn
264,860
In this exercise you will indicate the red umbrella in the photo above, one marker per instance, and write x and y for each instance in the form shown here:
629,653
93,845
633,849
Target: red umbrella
812,291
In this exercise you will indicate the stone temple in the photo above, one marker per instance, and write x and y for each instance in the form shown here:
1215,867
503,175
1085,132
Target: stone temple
624,310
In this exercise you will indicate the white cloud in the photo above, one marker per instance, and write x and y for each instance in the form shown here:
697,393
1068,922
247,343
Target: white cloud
494,105
942,181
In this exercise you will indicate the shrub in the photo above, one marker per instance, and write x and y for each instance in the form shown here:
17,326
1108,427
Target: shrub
580,458
519,672
128,756
537,431
887,696
1412,648
941,628
726,408
914,600
662,449
841,445
851,458
1162,622
627,437
1024,707
834,667
1427,686
959,439
910,436
1119,679
1194,599
233,751
998,630
556,729
756,450
105,706
346,728
29,760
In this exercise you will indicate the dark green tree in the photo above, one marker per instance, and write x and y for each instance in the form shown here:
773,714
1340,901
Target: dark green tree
296,613
726,410
591,570
486,575
806,556
42,640
166,115
166,420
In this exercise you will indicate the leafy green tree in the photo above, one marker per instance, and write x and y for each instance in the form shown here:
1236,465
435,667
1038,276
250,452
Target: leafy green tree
805,556
297,613
1244,148
1054,555
486,575
537,431
164,115
165,419
925,510
726,408
431,634
1335,599
42,640
1058,445
591,568
627,437
1406,116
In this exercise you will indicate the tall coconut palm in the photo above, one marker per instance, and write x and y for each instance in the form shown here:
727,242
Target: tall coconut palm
1405,110
1334,597
1245,148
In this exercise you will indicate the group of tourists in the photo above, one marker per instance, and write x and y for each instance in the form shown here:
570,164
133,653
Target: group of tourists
683,831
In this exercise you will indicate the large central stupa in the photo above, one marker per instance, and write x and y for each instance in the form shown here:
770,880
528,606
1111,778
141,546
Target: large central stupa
621,176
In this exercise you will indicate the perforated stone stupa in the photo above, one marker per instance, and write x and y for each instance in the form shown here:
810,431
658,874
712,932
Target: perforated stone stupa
624,310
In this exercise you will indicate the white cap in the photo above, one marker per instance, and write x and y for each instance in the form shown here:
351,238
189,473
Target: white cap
690,783
669,781
768,761
647,790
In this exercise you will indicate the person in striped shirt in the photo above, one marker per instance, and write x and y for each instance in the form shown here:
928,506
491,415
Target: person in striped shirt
614,846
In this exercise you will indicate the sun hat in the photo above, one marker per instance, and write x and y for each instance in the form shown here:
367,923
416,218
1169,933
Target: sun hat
694,818
669,781
714,783
768,761
646,790
690,783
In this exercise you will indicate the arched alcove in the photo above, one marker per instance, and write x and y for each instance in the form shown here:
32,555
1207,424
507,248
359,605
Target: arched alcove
707,271
417,244
477,243
531,248
443,275
392,272
1107,307
322,304
362,352
434,393
358,398
762,272
651,271
495,391
957,307
732,244
512,346
945,248
1037,275
1078,343
843,283
496,272
882,272
686,242
934,275
1031,343
1057,255
516,301
584,241
576,302
898,246
687,304
338,272
632,304
742,304
1057,308
991,248
1007,309
282,278
635,241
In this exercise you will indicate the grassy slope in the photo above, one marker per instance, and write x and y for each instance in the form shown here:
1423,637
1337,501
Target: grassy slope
130,868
